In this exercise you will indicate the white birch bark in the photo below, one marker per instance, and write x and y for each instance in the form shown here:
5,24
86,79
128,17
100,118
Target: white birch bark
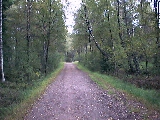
1,45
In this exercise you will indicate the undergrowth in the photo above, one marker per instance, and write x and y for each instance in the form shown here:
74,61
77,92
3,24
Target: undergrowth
149,96
17,98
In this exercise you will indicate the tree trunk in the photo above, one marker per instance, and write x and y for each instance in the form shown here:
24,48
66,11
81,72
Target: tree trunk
146,65
47,42
28,36
28,27
1,45
131,57
119,24
157,56
110,31
156,7
131,68
136,63
126,19
91,34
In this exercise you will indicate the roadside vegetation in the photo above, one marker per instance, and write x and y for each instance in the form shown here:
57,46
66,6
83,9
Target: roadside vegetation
150,97
17,98
119,38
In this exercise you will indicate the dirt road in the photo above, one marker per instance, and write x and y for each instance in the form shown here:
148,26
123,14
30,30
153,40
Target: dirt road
74,96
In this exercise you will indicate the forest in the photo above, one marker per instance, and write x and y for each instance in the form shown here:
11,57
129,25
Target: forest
113,37
33,38
32,46
121,38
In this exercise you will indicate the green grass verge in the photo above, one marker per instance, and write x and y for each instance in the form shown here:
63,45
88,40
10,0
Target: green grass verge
18,109
150,97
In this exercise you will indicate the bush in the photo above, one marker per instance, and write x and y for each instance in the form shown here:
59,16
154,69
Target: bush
94,61
91,61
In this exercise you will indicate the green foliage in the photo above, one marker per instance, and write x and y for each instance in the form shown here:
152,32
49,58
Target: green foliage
91,61
46,40
18,97
125,32
6,4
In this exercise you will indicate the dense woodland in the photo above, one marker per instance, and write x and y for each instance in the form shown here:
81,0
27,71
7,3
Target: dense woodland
32,46
33,38
119,37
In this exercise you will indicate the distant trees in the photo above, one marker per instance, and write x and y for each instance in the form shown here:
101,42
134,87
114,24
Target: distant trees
34,39
125,33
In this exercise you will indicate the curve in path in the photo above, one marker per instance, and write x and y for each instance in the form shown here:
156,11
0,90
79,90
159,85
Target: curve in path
74,96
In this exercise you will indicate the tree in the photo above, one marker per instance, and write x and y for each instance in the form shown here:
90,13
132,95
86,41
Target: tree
118,29
28,36
1,45
39,53
157,18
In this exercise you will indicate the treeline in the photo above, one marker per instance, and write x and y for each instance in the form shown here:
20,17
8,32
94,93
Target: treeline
33,38
117,36
33,46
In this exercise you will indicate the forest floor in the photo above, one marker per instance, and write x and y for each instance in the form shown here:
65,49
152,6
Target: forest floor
74,96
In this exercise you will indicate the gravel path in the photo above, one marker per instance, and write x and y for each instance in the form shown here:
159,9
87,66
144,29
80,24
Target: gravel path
74,96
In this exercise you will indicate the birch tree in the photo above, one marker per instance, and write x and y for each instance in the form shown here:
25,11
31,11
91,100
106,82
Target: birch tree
1,45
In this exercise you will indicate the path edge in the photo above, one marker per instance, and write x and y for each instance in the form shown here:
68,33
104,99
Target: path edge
22,109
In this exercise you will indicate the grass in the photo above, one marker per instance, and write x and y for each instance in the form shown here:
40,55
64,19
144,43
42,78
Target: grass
17,101
150,97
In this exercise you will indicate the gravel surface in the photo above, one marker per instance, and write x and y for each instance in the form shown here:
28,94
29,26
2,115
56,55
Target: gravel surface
74,96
